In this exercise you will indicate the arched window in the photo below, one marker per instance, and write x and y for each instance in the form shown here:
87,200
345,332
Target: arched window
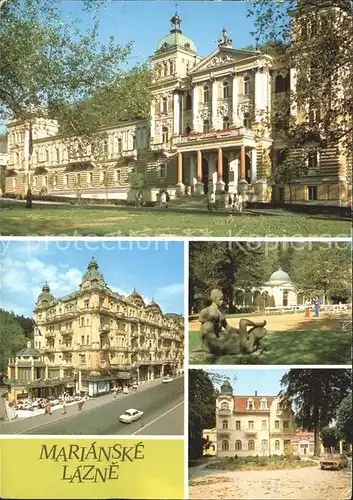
250,405
46,156
225,445
117,176
246,84
238,445
37,157
55,180
313,159
171,67
17,158
263,404
120,144
66,179
89,178
225,89
225,123
251,445
165,134
164,105
188,130
279,84
277,445
57,154
224,424
264,445
225,405
206,126
188,101
247,120
206,93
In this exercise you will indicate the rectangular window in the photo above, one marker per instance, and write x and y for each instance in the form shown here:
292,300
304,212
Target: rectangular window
285,424
312,193
163,170
250,424
264,425
276,424
237,425
117,176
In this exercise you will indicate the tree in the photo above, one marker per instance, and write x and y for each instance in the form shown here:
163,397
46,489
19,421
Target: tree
136,180
202,410
319,45
323,272
315,395
231,267
52,69
12,337
329,437
344,423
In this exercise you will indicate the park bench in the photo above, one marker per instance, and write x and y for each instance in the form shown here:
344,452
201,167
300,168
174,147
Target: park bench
345,321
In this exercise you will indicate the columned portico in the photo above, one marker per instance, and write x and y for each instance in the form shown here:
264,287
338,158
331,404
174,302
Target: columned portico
220,183
242,182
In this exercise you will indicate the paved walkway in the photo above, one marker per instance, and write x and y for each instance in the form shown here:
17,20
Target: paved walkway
22,424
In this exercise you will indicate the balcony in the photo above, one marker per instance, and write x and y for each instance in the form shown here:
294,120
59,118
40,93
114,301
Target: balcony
250,432
131,153
50,334
66,332
49,349
224,413
223,432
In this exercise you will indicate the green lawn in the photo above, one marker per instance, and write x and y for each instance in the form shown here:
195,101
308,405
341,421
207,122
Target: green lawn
79,221
291,347
259,463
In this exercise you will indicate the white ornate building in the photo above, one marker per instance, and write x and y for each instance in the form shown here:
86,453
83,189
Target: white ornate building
281,288
207,132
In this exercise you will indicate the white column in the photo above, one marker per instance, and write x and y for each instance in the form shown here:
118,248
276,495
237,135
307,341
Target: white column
193,179
253,164
153,119
195,107
233,174
176,98
214,104
293,87
259,93
235,90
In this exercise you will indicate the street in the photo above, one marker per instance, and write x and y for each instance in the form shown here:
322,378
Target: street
162,404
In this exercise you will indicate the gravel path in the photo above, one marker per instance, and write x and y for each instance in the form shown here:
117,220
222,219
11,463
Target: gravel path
309,483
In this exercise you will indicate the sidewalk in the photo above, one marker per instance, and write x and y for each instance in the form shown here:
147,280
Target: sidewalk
24,424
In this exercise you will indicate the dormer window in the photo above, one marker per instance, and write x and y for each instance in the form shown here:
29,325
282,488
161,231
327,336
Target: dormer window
250,405
263,404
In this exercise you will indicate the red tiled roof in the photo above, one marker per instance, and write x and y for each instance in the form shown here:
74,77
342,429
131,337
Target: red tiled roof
240,402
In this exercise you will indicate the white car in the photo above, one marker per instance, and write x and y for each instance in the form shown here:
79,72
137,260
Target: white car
167,379
130,416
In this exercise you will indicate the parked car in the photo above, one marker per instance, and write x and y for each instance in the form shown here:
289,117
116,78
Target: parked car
334,461
167,379
130,416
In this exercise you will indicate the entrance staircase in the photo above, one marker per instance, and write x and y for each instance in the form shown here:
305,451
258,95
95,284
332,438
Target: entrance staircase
195,202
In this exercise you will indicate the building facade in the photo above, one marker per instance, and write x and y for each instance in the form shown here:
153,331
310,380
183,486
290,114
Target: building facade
207,132
94,340
252,425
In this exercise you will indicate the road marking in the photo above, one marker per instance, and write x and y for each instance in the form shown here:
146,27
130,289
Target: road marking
158,418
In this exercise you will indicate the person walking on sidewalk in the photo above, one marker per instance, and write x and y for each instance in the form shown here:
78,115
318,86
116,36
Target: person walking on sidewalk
64,408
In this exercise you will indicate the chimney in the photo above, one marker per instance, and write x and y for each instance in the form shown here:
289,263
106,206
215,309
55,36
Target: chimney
255,393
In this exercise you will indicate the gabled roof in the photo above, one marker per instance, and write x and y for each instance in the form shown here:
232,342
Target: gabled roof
240,402
224,55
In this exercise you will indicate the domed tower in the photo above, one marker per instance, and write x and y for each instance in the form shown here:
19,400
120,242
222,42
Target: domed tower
93,278
226,388
136,299
175,55
154,308
45,298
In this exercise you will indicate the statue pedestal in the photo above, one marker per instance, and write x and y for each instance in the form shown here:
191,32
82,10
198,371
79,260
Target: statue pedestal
199,190
242,186
180,189
220,187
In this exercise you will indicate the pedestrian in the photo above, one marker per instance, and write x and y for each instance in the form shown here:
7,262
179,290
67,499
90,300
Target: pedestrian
80,404
167,199
240,202
211,202
64,408
48,410
29,198
164,199
317,303
230,201
307,308
115,391
138,199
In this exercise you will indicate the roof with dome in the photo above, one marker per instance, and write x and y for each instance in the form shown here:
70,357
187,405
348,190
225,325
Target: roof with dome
176,39
92,273
45,297
279,276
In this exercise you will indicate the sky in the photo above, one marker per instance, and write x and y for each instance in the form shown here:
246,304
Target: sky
147,22
154,268
265,381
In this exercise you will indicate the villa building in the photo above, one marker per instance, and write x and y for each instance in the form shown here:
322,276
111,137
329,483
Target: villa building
252,425
93,340
207,132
